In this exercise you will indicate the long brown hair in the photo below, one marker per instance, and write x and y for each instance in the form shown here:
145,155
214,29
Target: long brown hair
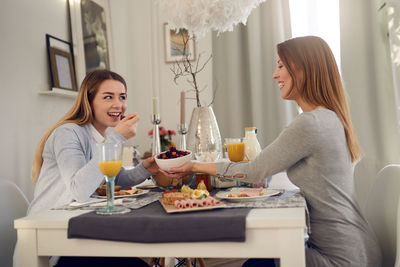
320,84
80,113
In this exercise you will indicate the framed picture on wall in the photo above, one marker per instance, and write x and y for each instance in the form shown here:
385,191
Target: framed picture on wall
174,44
62,70
91,35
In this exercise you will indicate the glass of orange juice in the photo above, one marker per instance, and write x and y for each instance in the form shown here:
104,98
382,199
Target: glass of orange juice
235,148
110,163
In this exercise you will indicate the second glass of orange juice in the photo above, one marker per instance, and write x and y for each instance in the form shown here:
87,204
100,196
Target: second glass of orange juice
235,148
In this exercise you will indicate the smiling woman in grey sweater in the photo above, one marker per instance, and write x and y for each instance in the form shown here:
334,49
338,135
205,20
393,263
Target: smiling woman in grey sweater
65,167
318,150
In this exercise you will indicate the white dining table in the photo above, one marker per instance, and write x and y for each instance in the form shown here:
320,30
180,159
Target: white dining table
270,233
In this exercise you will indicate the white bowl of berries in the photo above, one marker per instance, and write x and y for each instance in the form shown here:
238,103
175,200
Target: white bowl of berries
172,158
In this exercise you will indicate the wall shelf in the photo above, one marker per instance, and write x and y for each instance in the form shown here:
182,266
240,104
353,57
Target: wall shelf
59,92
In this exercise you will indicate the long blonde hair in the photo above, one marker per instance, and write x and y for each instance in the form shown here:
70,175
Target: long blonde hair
80,113
320,84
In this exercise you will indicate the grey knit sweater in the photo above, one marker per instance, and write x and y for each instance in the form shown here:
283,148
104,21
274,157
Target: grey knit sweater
314,152
70,171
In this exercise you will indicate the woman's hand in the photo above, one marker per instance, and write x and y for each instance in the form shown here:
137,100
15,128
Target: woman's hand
151,165
127,126
181,171
191,167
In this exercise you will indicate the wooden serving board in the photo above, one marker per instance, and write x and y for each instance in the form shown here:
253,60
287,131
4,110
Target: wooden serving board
172,209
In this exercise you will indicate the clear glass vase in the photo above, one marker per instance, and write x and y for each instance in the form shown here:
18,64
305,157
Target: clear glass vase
203,137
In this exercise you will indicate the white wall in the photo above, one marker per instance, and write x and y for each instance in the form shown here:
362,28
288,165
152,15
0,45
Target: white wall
24,72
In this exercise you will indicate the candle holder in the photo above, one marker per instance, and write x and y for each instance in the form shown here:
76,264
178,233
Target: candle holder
182,131
156,120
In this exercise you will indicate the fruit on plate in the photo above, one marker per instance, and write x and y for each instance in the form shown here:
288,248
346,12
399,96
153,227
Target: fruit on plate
186,189
202,185
173,153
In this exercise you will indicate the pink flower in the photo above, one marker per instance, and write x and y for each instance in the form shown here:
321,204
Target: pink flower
163,132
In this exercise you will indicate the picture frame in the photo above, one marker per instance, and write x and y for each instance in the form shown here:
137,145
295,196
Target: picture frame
174,45
62,69
91,36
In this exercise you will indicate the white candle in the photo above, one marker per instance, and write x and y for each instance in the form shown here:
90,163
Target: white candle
183,107
155,105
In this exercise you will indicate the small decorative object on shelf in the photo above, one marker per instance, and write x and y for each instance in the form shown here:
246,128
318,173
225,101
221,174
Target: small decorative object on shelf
62,71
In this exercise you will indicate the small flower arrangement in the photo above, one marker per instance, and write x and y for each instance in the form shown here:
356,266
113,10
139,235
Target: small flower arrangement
165,138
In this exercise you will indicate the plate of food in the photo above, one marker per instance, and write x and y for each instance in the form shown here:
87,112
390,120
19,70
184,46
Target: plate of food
119,193
247,194
189,200
180,203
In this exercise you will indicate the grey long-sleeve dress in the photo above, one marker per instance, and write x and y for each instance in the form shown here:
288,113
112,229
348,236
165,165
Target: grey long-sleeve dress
314,152
70,171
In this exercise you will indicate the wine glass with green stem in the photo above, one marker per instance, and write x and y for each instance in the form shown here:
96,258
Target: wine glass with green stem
110,163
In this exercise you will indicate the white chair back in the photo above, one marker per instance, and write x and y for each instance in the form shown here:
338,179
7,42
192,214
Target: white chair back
13,205
281,181
383,213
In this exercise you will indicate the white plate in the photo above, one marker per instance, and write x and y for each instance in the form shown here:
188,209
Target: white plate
235,190
139,193
172,209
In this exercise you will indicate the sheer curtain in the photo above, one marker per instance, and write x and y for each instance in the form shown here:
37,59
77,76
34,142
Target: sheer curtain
243,63
392,13
367,74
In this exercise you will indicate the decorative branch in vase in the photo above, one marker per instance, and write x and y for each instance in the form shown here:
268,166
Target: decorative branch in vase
185,68
203,137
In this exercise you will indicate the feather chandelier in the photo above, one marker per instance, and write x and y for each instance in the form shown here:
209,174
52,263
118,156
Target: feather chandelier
201,16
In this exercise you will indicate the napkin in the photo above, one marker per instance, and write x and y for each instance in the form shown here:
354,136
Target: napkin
87,203
117,202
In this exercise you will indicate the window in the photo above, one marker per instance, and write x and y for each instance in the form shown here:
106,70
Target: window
317,17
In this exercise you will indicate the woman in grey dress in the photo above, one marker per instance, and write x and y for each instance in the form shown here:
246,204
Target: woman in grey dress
318,150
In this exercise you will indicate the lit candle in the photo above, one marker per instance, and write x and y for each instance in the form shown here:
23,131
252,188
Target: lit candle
183,107
155,105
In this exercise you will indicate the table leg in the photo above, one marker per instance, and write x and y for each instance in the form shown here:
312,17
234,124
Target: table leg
26,250
293,255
